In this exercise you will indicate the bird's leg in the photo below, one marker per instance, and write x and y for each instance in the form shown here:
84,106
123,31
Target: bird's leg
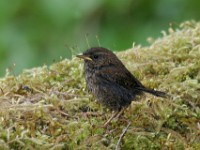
110,119
115,115
120,112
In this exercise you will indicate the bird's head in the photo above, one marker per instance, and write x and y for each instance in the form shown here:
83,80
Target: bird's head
97,57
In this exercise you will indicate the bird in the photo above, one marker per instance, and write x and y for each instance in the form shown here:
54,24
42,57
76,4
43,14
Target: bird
110,82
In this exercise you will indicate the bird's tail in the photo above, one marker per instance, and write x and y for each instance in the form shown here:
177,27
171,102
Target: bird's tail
153,92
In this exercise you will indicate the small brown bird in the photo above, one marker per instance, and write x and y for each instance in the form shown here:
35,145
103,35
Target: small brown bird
109,81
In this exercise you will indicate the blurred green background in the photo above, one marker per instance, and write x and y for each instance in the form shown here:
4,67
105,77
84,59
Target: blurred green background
37,32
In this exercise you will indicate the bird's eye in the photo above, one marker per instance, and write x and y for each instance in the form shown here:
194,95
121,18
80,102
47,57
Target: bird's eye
95,56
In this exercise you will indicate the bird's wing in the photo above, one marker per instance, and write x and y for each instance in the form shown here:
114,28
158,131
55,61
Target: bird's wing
120,76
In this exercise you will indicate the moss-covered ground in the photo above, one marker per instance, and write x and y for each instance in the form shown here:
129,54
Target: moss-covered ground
49,107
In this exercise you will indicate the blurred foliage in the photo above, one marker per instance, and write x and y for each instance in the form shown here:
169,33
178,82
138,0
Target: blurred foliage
36,32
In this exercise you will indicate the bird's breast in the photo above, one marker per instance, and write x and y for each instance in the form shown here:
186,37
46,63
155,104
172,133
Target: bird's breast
90,77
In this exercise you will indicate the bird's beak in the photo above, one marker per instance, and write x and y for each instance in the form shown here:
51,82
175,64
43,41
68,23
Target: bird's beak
84,57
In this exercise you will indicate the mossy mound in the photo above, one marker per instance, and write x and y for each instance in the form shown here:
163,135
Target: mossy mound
50,108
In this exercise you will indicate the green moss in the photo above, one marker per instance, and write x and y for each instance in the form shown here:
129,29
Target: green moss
50,108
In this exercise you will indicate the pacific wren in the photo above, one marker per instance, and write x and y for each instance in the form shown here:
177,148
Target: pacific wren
110,81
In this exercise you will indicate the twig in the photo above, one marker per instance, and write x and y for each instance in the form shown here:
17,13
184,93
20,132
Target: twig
65,114
2,91
121,136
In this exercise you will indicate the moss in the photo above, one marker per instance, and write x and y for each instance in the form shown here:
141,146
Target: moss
50,108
